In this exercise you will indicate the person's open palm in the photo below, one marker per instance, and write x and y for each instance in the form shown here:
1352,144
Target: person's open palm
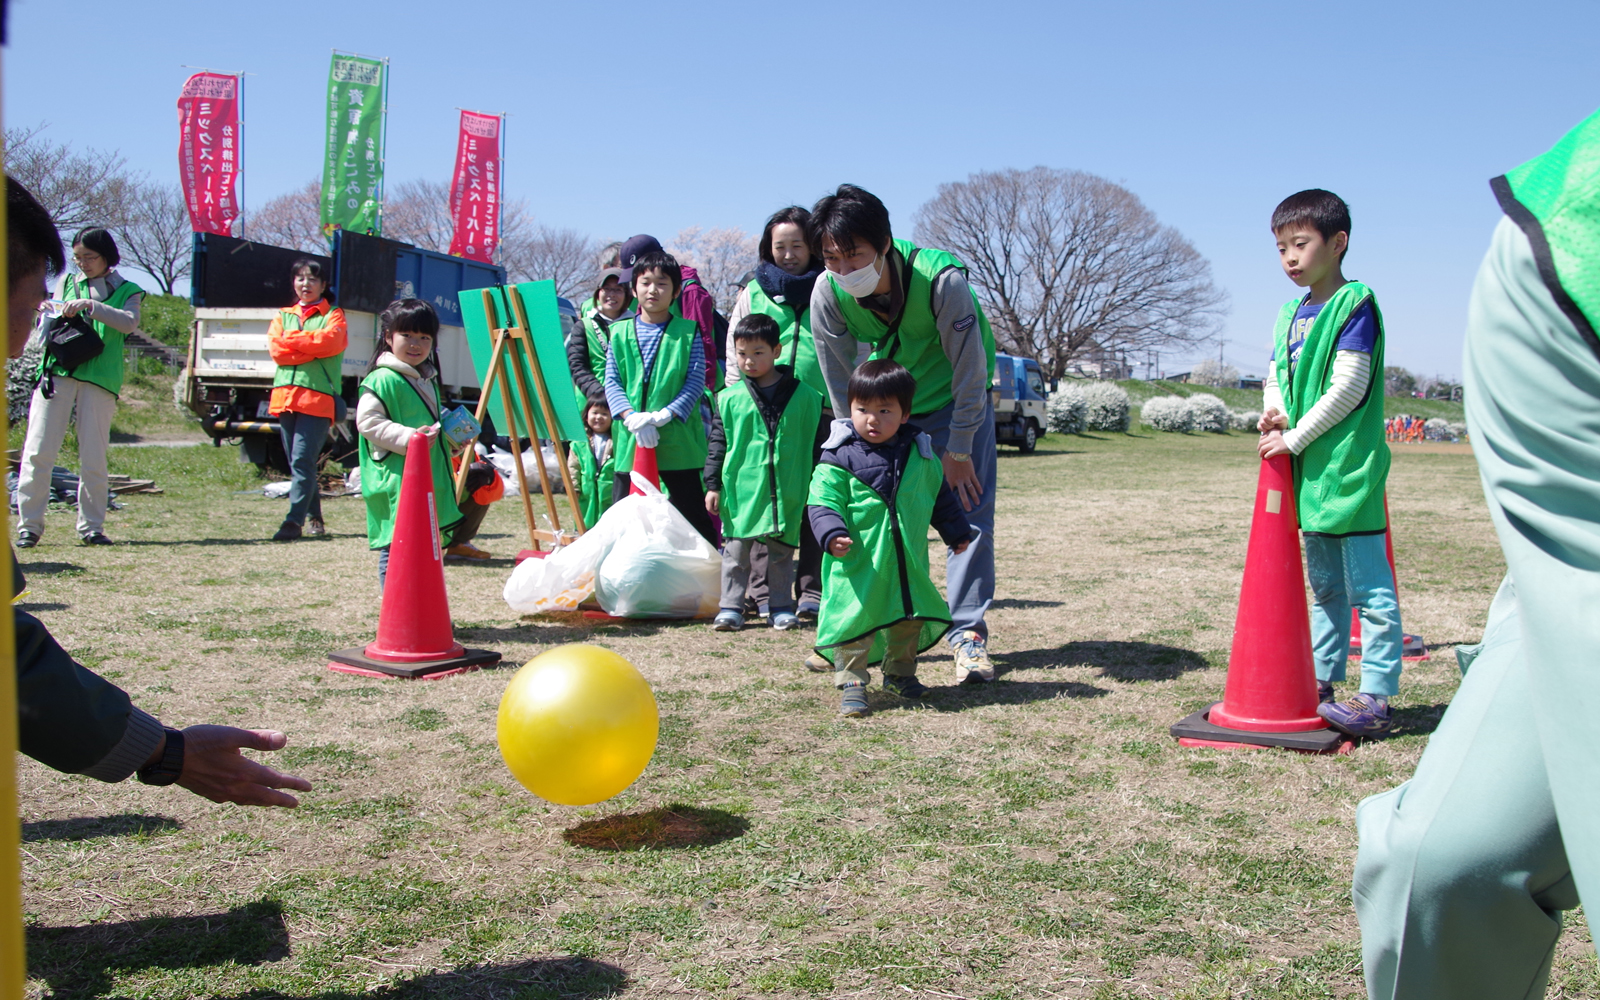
214,767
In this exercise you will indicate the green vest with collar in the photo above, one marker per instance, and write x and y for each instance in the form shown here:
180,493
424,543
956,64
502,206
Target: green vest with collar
683,443
106,368
1339,478
1555,200
884,578
319,374
380,478
766,471
797,349
595,481
914,341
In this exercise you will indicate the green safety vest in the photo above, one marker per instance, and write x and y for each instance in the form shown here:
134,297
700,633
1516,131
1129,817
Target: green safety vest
595,481
319,374
766,471
380,480
105,368
1555,199
798,350
1339,478
683,443
912,339
884,578
597,339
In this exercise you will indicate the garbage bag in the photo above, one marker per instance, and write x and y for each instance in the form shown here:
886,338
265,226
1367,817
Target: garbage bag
641,560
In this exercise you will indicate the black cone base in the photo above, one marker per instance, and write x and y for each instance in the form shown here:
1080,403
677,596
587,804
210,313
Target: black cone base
470,659
1199,727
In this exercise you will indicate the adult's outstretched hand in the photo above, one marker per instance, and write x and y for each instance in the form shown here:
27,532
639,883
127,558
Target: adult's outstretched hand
214,767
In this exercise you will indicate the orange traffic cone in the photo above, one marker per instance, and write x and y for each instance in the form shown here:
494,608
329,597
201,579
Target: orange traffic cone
414,634
1271,694
644,463
1412,648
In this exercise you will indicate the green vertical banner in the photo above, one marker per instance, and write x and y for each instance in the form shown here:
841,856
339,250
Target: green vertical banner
352,173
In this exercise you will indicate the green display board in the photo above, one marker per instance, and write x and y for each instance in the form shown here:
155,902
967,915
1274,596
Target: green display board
544,319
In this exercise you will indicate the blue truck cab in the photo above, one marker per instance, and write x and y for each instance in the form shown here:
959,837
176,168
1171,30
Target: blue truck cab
1019,397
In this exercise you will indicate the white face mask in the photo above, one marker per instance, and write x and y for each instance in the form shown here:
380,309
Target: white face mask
861,282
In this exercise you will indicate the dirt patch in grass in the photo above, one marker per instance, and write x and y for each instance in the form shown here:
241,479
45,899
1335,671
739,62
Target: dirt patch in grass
1039,837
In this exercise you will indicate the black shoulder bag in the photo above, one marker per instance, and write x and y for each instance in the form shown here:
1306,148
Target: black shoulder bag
69,341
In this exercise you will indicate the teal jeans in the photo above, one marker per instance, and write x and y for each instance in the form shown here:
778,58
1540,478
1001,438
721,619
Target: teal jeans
1353,571
1464,870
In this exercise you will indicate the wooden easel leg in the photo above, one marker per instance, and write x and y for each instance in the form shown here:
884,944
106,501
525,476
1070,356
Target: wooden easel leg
545,404
496,369
520,352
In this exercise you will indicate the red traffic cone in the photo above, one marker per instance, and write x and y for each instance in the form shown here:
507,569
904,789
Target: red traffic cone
414,634
644,463
1271,694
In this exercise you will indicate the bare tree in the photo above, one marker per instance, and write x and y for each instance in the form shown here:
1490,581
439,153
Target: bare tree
78,189
418,212
292,220
564,256
721,256
1067,263
157,235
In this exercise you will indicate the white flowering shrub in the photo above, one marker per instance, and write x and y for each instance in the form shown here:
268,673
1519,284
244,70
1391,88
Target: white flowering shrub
1210,413
1244,420
1065,411
1107,406
1459,429
21,377
1168,413
1437,429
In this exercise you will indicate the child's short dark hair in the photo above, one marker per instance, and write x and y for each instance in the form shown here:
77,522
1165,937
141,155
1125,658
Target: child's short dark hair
759,326
848,215
594,399
659,261
882,379
1322,210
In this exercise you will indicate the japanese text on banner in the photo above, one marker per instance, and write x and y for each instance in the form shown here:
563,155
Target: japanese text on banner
208,151
352,171
475,188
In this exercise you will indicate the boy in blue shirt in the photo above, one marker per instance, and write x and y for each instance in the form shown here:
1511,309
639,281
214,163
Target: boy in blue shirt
1324,406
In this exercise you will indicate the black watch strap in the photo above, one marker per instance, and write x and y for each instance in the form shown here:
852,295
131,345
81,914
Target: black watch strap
166,770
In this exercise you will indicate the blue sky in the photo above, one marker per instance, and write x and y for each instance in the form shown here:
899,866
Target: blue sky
650,118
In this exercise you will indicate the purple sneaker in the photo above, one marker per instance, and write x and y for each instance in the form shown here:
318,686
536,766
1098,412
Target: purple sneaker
1361,716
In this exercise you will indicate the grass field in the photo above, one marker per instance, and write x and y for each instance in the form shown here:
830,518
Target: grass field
1039,837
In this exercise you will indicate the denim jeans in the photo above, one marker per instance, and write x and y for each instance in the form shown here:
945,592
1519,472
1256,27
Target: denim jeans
1353,571
969,577
303,435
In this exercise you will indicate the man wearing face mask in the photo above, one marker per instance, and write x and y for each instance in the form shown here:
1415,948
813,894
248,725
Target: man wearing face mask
914,306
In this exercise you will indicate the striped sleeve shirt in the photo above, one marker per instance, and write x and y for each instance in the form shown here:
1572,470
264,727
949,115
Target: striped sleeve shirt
649,335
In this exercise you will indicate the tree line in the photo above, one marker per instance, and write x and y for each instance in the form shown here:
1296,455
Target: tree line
1071,269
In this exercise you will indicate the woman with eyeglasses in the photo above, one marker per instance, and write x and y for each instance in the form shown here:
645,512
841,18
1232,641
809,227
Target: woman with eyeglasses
110,304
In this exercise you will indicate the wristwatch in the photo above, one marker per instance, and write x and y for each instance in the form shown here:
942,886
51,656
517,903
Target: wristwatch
958,456
166,770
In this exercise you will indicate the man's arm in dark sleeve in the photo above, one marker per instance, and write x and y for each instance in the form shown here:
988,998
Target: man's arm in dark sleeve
71,718
948,518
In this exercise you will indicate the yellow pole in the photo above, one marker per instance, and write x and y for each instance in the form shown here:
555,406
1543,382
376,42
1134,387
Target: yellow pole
13,960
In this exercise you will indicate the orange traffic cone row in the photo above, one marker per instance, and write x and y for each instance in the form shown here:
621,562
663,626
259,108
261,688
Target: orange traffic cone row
414,634
1271,693
1412,648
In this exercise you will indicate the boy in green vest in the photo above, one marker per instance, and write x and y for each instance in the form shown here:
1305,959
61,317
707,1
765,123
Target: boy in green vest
1324,406
759,469
875,492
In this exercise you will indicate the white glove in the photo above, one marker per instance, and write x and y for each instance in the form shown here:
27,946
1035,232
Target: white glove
660,418
647,436
636,420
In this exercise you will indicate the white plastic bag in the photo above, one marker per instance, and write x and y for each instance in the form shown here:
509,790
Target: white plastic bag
641,560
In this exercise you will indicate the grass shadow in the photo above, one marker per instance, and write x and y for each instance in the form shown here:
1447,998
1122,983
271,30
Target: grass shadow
569,978
1017,603
81,961
94,827
963,697
1120,661
662,828
49,568
168,543
34,607
1417,720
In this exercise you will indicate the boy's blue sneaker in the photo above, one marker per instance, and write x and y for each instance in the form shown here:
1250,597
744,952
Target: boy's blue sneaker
808,611
904,686
1324,693
853,701
785,621
728,621
1361,716
973,665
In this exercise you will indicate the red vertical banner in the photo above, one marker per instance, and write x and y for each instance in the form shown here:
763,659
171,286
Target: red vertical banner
208,151
475,188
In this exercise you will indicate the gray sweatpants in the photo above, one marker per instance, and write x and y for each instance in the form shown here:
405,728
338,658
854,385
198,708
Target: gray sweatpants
736,574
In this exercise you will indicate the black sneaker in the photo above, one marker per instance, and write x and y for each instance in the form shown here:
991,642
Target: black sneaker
808,611
97,538
905,687
1324,694
26,539
288,531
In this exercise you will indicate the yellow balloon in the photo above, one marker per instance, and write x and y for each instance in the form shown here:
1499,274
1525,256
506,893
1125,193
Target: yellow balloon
577,725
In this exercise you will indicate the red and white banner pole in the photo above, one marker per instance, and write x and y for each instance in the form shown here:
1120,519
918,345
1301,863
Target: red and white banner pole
475,188
209,150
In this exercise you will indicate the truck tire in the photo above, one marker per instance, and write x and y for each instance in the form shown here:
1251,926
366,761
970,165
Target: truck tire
1030,437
